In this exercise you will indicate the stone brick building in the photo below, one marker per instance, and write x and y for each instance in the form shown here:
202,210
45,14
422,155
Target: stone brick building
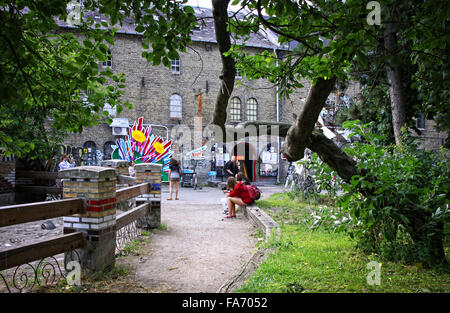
167,98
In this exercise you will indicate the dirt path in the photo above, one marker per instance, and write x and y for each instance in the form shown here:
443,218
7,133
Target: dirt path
200,250
197,251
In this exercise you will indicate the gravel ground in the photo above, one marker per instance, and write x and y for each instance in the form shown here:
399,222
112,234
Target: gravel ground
196,251
200,250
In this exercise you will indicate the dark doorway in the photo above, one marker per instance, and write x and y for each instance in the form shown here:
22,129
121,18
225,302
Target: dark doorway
245,154
89,153
108,150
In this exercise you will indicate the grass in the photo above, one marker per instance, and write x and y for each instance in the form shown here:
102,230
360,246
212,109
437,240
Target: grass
320,261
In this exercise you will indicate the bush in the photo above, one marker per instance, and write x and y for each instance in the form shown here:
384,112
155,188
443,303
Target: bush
399,203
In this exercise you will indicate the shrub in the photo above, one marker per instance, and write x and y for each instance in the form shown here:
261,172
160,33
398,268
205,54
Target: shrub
399,203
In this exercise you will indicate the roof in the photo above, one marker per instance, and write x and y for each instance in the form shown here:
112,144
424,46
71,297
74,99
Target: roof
204,33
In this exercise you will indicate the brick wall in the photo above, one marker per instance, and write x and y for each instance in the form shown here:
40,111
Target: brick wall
432,139
149,89
7,180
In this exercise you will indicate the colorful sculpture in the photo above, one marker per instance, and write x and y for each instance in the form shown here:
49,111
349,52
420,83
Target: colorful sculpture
142,147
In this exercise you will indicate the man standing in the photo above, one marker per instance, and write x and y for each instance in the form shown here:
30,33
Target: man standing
231,168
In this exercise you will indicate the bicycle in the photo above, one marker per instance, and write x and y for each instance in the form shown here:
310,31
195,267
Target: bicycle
300,177
190,176
290,176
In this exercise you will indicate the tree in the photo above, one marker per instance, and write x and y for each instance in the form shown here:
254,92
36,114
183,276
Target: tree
51,80
220,13
331,38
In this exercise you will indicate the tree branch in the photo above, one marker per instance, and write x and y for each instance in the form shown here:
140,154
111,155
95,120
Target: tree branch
296,138
220,14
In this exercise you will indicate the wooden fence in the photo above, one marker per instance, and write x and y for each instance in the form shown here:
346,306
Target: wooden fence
26,182
25,254
24,213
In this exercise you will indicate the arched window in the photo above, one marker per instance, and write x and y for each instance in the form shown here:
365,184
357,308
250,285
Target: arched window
108,150
235,109
252,109
89,153
176,106
108,63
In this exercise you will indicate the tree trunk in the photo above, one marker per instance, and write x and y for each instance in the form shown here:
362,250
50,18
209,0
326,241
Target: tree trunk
398,102
296,138
220,13
331,154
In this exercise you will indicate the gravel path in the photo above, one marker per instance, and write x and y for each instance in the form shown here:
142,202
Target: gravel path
198,251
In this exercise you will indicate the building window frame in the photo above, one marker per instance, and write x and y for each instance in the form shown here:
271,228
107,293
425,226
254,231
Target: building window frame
235,109
420,121
175,66
176,107
252,109
108,62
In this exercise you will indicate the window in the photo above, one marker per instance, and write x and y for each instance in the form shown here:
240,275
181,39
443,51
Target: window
420,122
108,63
235,109
252,109
85,97
89,153
108,150
176,107
175,67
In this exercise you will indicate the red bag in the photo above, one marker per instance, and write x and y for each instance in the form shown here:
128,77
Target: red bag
253,192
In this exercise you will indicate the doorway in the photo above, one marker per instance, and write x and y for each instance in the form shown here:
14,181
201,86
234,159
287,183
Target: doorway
246,156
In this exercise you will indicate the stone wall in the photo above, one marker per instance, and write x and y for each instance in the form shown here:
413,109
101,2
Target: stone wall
149,89
432,139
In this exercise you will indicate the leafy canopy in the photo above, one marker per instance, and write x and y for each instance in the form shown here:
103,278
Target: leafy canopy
51,79
333,38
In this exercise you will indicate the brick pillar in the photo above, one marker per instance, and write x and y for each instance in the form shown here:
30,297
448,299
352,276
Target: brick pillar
150,173
121,168
97,186
7,179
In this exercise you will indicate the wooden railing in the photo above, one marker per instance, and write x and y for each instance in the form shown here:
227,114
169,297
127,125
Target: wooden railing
130,216
126,223
122,179
132,192
37,175
37,189
25,213
40,250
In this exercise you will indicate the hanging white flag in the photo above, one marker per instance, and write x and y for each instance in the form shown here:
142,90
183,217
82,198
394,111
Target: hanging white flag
328,133
321,120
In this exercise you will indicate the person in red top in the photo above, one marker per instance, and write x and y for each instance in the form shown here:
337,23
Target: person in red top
239,195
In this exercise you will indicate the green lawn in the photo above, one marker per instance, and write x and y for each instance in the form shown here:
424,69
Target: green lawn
319,261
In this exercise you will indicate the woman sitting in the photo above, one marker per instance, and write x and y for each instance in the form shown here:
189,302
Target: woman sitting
239,195
231,183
